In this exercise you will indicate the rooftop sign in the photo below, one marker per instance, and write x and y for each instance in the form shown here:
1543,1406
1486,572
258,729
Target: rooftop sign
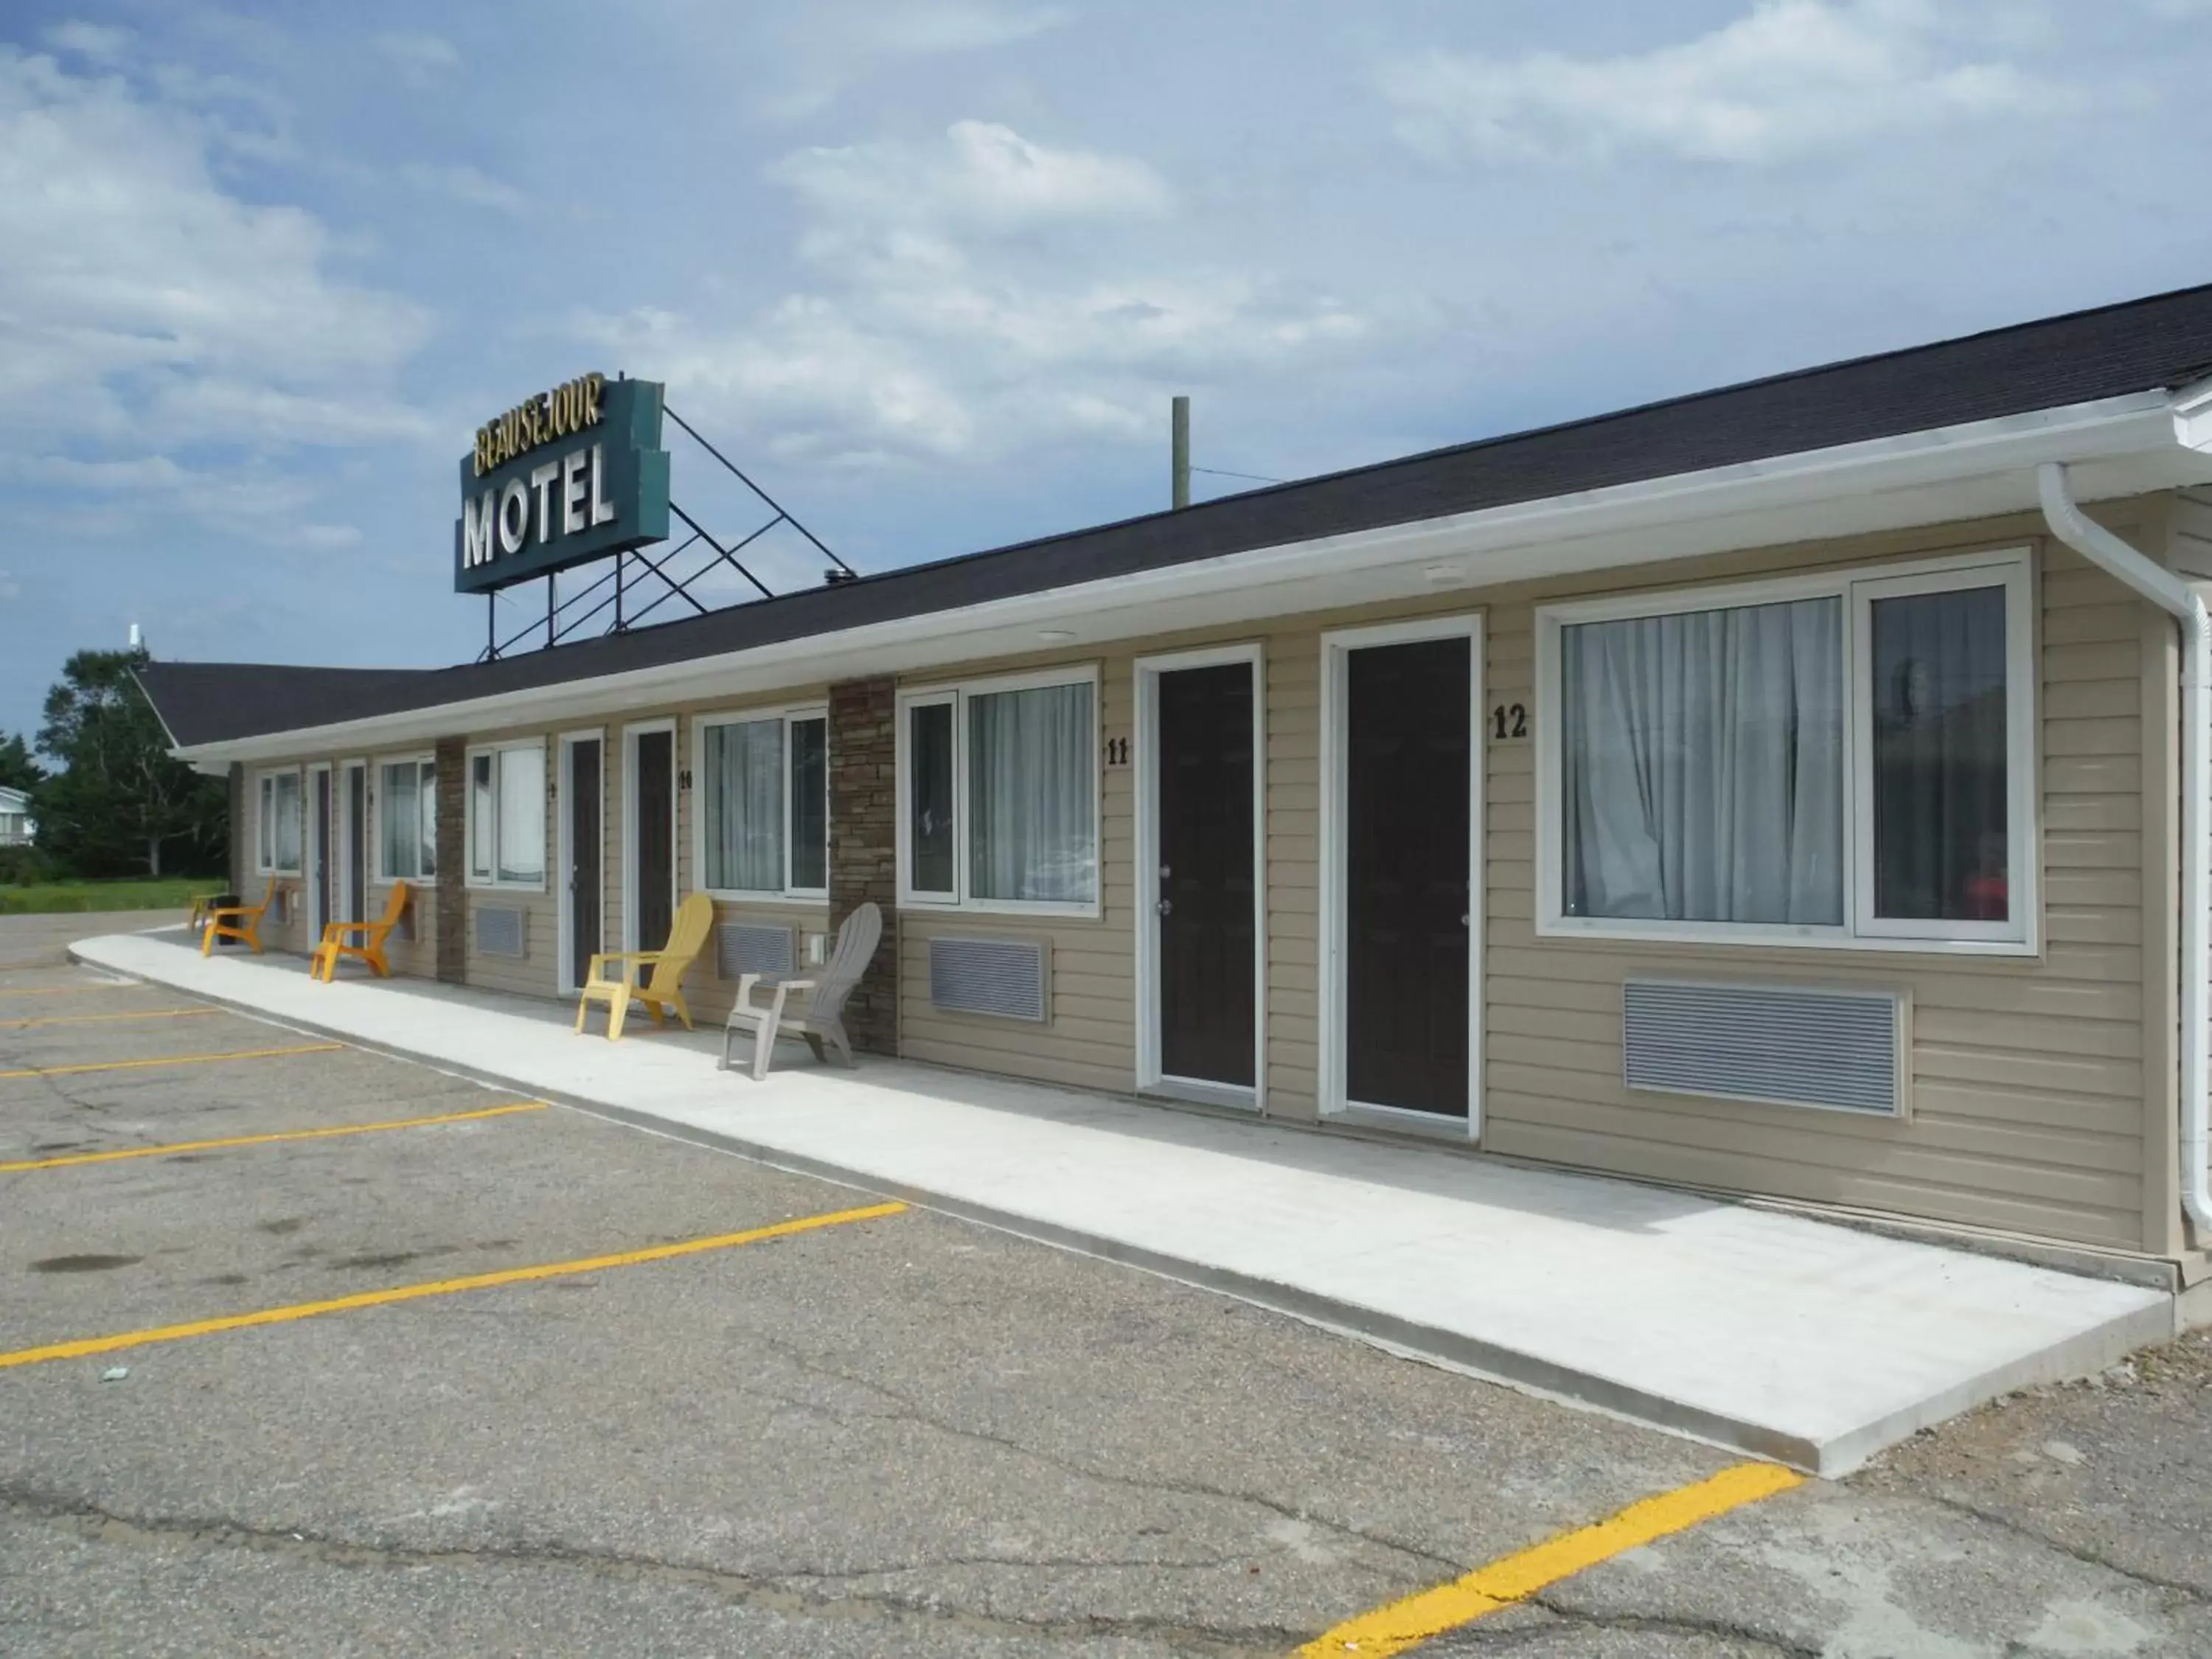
569,475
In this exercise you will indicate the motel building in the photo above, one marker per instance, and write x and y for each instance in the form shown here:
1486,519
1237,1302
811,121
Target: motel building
1797,789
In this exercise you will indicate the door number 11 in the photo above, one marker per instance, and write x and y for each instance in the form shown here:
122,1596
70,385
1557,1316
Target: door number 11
1508,719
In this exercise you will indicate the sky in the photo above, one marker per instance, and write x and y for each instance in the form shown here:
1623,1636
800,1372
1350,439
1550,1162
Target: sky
930,271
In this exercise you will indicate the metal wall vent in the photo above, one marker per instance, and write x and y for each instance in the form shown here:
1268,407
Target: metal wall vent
1791,1046
502,930
753,947
1000,976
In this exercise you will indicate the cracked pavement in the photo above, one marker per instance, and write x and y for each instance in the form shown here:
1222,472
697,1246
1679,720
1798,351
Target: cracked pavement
904,1437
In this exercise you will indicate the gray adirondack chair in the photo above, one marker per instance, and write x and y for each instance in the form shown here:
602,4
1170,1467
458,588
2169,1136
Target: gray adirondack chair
823,1018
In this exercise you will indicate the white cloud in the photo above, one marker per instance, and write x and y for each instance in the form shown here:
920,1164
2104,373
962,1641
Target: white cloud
140,303
138,496
100,43
986,176
1788,78
422,60
932,333
822,48
468,184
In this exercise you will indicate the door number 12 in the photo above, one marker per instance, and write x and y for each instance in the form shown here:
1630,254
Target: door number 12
1509,720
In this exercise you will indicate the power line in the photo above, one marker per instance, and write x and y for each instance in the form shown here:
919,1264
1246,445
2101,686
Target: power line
1222,473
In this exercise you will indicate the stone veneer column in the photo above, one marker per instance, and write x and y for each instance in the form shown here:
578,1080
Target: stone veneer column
240,854
864,844
453,852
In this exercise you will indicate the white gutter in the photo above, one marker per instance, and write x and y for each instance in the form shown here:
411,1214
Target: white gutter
2170,593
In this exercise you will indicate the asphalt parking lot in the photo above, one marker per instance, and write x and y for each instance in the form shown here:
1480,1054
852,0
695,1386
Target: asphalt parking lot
532,1424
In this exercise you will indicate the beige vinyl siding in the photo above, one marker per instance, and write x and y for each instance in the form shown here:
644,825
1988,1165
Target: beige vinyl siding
289,930
2041,1093
1089,1039
2026,1076
1293,872
539,972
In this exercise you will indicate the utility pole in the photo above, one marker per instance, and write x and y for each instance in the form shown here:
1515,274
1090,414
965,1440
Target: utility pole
1179,450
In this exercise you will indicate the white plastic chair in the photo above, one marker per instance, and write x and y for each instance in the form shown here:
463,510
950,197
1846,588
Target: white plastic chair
823,1016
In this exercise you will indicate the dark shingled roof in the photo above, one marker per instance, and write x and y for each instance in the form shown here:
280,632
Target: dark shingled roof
2139,346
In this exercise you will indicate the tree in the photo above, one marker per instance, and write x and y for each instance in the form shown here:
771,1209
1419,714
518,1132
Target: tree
121,803
17,769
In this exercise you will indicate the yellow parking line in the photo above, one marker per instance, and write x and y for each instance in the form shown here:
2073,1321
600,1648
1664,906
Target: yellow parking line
170,1060
172,1148
1431,1612
109,1019
94,1344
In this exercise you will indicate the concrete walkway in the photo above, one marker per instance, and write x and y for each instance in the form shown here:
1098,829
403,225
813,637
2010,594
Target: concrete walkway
1812,1344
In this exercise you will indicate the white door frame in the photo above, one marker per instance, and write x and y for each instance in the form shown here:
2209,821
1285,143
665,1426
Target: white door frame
631,734
317,874
1150,1077
1336,648
352,774
565,825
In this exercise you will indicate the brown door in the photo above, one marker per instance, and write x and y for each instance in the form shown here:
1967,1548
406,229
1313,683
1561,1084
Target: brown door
1408,742
653,802
1207,933
586,863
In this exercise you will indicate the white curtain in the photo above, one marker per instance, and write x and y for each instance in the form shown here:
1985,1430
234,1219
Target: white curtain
482,815
402,814
1030,779
285,810
522,815
744,806
1703,765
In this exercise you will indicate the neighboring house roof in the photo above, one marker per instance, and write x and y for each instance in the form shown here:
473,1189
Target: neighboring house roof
2143,345
14,801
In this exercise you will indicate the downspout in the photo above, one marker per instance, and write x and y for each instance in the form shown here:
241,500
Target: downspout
2170,593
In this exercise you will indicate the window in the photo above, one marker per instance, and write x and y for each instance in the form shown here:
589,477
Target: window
407,820
764,804
1843,759
277,824
999,795
507,815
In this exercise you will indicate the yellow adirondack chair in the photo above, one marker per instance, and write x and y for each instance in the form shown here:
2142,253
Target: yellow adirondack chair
240,921
687,937
324,965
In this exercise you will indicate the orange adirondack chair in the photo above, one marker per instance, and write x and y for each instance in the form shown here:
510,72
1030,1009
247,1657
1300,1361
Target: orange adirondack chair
324,965
687,937
238,922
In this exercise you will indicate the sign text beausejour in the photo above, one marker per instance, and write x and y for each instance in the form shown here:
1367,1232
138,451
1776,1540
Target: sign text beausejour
572,474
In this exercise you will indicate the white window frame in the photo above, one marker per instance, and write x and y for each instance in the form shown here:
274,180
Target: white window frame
790,716
379,874
495,880
1855,588
264,820
957,694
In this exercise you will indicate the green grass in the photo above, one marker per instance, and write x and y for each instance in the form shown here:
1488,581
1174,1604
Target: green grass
51,898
